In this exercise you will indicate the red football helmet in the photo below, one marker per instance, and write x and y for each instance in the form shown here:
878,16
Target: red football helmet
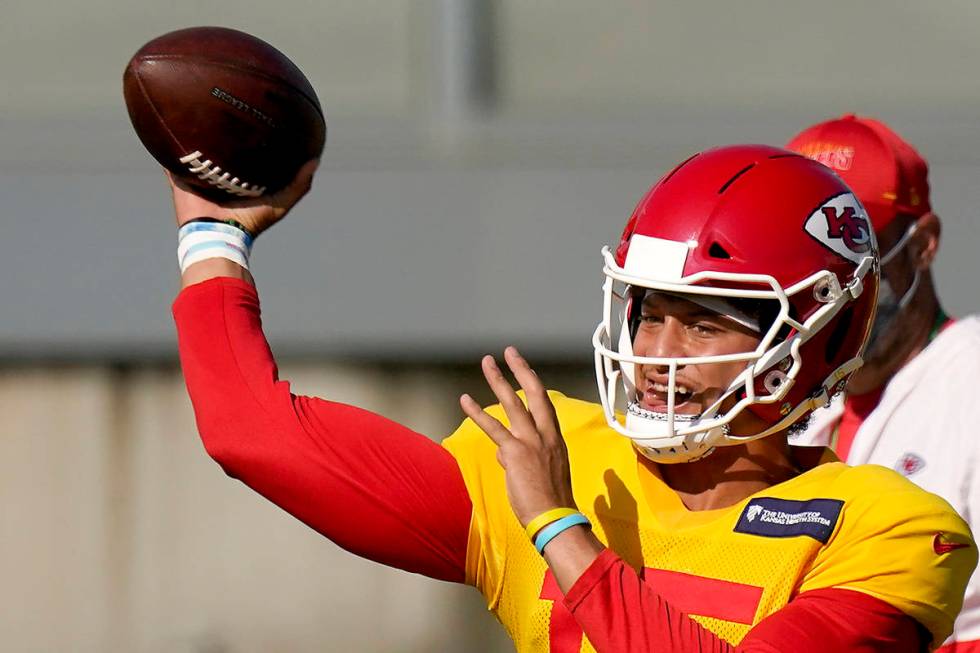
733,226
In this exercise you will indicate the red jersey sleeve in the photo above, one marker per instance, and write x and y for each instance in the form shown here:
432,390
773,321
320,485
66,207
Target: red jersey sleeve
372,486
619,612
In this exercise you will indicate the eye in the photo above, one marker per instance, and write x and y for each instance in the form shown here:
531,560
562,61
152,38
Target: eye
651,319
704,329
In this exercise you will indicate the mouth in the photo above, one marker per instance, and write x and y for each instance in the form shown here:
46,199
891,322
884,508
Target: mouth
654,396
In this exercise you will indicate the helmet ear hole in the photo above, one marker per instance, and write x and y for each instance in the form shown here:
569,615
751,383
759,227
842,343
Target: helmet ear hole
838,335
719,252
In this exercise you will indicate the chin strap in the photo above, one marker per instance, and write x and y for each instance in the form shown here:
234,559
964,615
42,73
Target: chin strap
662,458
819,399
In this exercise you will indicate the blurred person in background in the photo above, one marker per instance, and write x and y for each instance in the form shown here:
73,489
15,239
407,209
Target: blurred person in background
912,406
737,301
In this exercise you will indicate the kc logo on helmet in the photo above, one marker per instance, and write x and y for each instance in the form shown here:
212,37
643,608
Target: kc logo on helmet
842,225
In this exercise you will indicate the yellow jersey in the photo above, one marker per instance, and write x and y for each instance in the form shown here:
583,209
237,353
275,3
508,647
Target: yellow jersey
862,528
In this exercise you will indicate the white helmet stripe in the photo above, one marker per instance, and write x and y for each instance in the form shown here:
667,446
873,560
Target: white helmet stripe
656,258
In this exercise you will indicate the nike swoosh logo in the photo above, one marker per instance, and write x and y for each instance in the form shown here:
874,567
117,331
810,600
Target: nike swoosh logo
941,547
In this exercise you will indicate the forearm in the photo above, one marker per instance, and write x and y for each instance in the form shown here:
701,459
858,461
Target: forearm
212,268
618,612
570,554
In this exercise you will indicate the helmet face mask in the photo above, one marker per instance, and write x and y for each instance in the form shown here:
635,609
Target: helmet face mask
816,313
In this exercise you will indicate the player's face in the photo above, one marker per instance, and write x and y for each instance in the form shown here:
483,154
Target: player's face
673,327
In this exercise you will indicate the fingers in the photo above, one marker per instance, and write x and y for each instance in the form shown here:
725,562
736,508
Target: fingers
538,420
539,404
256,213
521,423
489,424
299,186
304,178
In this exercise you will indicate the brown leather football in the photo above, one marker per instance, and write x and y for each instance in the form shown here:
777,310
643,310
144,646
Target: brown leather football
224,111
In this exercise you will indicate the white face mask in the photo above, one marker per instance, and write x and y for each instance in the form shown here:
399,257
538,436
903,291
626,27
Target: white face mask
889,305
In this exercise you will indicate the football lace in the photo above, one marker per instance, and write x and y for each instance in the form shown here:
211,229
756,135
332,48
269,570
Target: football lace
207,171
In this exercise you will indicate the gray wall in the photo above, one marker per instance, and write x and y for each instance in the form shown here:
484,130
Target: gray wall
474,230
119,535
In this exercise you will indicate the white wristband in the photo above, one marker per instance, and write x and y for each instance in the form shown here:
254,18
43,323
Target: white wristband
213,250
199,241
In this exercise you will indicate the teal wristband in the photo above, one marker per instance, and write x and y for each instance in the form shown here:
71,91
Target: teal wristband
552,530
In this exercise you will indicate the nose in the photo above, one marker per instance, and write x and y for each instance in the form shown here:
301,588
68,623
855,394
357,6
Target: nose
664,341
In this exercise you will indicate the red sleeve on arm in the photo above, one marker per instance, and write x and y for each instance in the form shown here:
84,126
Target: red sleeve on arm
619,612
372,486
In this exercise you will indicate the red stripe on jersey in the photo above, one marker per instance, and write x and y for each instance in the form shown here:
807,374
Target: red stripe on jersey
706,597
564,633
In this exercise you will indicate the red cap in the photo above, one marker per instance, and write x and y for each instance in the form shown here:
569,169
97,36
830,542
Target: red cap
886,173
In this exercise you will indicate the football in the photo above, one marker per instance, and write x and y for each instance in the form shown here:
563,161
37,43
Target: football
224,111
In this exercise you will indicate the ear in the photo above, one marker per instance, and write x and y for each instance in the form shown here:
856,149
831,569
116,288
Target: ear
926,240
